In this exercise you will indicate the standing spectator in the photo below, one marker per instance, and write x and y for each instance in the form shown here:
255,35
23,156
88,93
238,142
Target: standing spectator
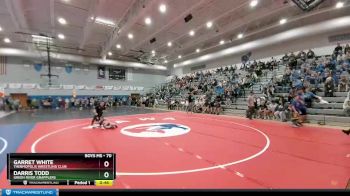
285,58
190,103
338,50
302,55
282,110
310,54
347,49
251,105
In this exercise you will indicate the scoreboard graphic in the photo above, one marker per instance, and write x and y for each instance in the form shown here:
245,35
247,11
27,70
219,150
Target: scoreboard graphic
86,169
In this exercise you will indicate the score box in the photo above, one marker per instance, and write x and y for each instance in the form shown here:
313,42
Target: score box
41,167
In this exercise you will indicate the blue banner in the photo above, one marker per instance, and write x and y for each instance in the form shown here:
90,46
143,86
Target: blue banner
38,67
34,192
69,69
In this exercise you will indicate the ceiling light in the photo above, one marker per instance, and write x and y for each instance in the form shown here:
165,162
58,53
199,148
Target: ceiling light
283,21
165,61
130,36
162,8
104,21
153,52
170,44
339,4
61,36
92,18
209,24
62,21
240,36
254,3
179,56
7,40
110,53
192,33
148,21
222,42
198,50
0,29
118,46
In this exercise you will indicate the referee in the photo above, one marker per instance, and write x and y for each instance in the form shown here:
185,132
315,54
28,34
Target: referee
98,113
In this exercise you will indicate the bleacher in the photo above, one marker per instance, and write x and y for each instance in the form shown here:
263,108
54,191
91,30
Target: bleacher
329,114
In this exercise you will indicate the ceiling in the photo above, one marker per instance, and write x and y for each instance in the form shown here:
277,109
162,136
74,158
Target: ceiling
19,19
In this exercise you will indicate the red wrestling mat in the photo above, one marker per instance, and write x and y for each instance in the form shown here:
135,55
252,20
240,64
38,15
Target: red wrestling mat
178,150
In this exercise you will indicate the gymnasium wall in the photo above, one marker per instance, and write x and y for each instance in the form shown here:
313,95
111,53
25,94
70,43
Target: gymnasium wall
320,44
17,72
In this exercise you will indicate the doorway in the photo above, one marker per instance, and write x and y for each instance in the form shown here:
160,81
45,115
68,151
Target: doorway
22,97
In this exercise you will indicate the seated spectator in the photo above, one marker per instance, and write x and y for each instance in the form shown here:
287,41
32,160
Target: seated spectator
310,96
346,105
282,111
271,108
329,87
343,84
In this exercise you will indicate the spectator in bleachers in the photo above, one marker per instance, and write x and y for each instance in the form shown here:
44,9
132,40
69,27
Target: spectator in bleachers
310,54
251,105
343,84
302,56
338,50
292,61
282,110
271,109
285,58
309,97
347,49
329,86
190,103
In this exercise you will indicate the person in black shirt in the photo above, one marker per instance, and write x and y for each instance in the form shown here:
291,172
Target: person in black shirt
98,113
310,54
190,103
347,132
338,50
347,49
285,58
302,55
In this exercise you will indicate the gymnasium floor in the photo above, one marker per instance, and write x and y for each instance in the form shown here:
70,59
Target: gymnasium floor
175,150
